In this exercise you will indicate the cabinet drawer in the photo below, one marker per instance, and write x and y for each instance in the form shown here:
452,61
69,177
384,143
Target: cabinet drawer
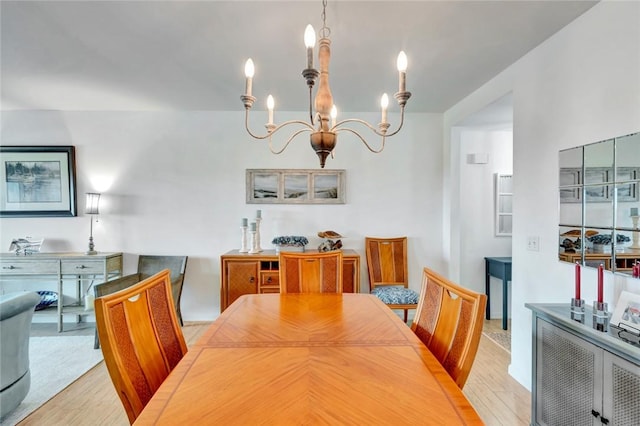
269,282
27,267
78,267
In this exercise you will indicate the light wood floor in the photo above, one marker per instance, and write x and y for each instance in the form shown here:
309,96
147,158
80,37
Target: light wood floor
91,400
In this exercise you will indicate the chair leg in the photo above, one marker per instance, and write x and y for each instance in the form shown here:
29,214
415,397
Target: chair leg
406,313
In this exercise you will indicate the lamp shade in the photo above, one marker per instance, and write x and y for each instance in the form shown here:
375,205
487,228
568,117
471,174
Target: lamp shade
93,199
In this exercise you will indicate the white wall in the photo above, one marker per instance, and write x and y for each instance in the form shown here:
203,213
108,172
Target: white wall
582,85
178,187
477,207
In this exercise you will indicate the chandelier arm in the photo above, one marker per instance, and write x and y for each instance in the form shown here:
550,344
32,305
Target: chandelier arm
276,128
338,128
401,123
291,138
375,151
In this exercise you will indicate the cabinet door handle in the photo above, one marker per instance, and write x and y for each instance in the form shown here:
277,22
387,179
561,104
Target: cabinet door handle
252,279
81,267
269,279
604,421
9,267
595,414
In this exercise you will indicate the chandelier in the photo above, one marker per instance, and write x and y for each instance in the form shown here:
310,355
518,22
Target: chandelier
322,124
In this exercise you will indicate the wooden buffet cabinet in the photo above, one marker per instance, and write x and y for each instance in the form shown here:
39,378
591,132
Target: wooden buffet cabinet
624,261
243,273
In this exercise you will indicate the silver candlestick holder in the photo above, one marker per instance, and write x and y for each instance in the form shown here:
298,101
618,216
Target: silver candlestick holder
243,241
600,316
577,309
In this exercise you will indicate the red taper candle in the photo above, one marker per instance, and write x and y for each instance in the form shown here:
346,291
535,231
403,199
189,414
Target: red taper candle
600,283
577,281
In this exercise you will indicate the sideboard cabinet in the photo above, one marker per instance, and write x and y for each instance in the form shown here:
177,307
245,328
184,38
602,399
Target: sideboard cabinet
581,376
243,273
74,270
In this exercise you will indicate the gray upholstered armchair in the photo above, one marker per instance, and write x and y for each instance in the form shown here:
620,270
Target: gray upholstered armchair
16,312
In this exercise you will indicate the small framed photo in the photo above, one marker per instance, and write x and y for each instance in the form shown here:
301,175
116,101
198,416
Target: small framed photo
37,181
627,312
295,186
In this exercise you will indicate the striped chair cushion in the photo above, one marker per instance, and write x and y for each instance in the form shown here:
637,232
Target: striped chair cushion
392,295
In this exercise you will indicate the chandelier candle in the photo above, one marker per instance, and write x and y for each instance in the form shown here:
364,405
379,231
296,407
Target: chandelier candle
249,70
270,105
384,103
309,42
402,71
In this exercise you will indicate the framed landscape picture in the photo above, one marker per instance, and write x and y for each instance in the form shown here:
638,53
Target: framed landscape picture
37,181
295,186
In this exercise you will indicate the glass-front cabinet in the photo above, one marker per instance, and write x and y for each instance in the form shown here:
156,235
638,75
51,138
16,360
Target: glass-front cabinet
599,186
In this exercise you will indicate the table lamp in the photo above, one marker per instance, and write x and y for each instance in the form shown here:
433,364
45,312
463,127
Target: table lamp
93,199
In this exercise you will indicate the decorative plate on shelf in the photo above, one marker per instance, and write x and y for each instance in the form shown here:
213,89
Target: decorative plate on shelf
329,234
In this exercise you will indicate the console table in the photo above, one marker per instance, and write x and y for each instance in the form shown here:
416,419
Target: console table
71,268
499,267
243,273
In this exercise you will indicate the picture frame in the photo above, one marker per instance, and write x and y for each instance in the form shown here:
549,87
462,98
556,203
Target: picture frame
596,189
38,181
569,178
295,186
628,190
599,184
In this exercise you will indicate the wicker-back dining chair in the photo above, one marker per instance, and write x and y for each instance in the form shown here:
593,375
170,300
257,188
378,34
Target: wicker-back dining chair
141,339
449,321
313,272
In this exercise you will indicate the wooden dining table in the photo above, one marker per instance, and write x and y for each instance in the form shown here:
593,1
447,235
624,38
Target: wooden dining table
308,359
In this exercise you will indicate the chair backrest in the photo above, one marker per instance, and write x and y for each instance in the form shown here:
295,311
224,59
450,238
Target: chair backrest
112,286
149,265
449,321
311,272
117,284
387,261
141,339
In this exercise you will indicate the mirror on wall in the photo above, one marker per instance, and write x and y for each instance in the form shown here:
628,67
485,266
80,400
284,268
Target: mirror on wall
599,187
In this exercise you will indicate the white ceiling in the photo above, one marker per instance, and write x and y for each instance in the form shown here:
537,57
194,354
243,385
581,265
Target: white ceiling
189,55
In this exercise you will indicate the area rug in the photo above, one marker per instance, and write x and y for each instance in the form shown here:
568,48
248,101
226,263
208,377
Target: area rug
500,338
55,363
